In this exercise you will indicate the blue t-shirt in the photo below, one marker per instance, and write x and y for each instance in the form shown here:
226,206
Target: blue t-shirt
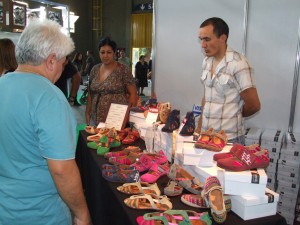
36,124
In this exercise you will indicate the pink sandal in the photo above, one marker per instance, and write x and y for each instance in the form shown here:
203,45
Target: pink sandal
155,172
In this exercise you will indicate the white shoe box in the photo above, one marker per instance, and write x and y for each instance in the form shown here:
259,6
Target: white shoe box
164,141
285,201
287,168
272,138
290,151
272,167
201,173
271,186
288,215
180,141
274,156
271,148
287,187
288,177
291,163
246,183
293,139
290,157
251,207
252,135
200,157
271,177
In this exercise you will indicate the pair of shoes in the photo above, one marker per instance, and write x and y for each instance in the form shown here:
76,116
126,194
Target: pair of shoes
173,189
104,145
91,129
173,122
189,125
197,201
213,195
124,160
139,188
115,168
148,201
123,152
146,160
155,172
245,159
121,176
185,179
175,217
211,140
141,94
131,137
123,133
97,132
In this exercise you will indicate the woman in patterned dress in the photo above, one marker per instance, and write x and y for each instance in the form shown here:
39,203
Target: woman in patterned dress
109,81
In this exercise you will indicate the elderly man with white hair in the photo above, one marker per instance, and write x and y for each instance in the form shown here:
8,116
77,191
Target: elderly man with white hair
39,179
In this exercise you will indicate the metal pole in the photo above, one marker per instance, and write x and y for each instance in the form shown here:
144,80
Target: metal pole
246,10
295,85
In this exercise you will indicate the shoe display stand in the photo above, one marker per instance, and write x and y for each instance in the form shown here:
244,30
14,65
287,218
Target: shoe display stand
106,203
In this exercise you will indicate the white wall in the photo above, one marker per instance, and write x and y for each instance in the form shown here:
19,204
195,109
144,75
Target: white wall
271,49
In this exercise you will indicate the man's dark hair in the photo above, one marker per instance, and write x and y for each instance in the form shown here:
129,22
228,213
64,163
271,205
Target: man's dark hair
220,26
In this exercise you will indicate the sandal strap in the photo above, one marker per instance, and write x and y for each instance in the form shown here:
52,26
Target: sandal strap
204,193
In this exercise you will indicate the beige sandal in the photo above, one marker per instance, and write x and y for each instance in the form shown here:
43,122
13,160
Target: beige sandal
164,112
149,201
139,188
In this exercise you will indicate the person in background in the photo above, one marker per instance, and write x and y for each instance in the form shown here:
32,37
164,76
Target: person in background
141,71
8,62
78,62
110,81
90,62
39,178
69,72
124,59
149,75
230,92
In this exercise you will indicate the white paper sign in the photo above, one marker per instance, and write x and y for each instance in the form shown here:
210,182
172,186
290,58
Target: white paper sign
116,115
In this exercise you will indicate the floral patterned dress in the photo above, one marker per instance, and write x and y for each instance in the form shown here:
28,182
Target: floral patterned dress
112,89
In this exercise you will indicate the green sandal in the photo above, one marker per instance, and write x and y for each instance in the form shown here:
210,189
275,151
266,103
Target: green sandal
177,217
104,146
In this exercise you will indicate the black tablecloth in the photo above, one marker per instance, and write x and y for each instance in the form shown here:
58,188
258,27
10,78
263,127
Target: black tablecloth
106,203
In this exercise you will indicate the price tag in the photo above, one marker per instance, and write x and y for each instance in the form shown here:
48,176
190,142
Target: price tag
152,115
197,110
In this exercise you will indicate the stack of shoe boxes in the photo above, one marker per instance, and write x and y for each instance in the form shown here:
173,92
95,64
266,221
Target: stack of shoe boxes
273,141
247,189
288,176
252,136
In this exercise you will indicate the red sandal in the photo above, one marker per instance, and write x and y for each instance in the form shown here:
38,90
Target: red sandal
131,137
245,160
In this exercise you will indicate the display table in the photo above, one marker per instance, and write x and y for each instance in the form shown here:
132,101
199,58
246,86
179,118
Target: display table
106,203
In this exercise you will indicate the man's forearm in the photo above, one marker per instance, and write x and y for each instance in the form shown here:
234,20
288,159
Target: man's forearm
68,183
